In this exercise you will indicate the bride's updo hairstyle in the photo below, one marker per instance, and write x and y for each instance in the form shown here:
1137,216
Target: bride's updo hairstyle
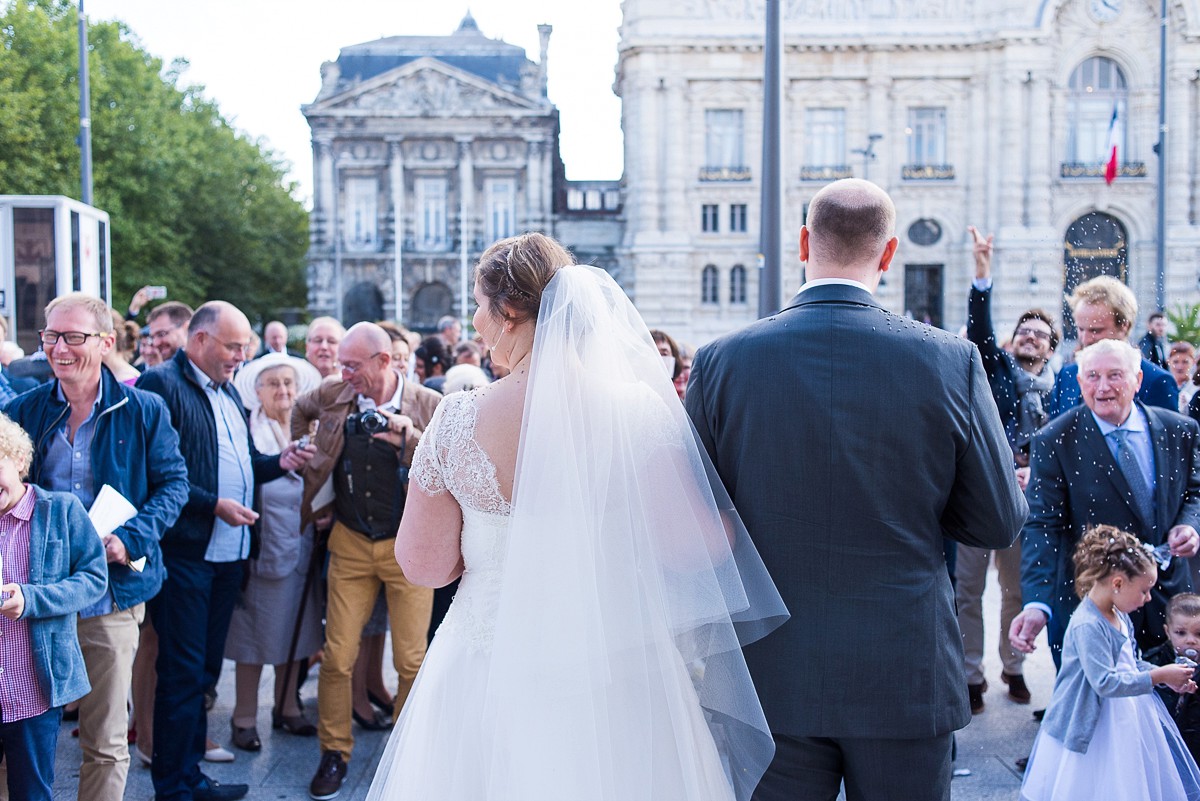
512,273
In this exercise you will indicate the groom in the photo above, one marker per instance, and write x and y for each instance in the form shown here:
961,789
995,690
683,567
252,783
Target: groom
848,485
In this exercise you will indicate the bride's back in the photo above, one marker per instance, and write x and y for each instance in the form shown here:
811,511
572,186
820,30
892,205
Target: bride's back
498,426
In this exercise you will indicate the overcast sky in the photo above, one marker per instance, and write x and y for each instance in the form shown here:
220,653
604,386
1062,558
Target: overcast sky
261,59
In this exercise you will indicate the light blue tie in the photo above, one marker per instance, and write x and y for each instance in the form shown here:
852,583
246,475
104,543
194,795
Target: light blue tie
1127,461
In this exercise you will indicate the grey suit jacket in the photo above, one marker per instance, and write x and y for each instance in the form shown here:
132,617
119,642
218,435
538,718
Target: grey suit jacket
852,441
1075,483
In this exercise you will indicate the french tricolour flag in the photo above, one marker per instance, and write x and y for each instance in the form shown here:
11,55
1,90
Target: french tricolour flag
1110,168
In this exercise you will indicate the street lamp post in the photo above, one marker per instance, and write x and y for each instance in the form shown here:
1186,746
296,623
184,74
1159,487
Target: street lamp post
85,114
770,284
868,154
1160,279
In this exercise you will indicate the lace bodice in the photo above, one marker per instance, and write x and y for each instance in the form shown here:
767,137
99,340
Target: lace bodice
448,459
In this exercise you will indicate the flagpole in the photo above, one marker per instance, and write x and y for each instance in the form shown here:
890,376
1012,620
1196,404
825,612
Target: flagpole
1160,280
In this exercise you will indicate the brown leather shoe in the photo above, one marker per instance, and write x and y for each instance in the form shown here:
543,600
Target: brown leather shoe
975,694
1017,689
330,775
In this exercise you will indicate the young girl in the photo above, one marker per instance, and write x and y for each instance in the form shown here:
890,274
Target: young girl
1106,734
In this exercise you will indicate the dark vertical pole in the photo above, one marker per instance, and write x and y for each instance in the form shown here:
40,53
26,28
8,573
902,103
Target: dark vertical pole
85,113
770,282
1160,280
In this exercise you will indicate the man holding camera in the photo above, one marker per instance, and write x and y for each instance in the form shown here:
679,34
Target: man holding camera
367,427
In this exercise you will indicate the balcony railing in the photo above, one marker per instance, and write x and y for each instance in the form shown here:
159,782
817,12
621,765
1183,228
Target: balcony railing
725,174
1076,169
828,172
927,172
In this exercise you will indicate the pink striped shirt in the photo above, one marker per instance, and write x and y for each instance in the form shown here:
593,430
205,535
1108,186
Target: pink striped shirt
21,695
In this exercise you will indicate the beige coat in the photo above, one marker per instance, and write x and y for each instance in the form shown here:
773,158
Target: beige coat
330,404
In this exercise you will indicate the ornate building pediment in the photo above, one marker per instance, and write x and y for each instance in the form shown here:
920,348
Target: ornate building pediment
424,88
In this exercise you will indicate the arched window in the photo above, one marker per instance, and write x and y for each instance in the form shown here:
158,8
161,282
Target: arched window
708,285
1097,90
737,284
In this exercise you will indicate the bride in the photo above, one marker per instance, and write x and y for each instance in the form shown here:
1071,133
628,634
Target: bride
592,652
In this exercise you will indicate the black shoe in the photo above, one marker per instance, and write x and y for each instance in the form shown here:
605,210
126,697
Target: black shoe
377,722
382,705
1022,763
212,790
210,699
1038,714
975,695
70,715
330,775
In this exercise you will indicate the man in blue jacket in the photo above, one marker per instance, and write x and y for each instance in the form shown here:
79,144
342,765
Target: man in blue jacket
1104,308
205,550
90,430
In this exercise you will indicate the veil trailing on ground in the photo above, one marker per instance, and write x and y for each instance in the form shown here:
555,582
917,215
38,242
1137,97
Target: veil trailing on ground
630,584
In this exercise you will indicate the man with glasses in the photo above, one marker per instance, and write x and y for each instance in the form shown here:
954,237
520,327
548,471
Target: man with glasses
369,425
90,430
1021,381
168,328
204,551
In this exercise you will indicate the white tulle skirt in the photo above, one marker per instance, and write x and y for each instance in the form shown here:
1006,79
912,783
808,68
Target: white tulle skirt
442,749
1136,754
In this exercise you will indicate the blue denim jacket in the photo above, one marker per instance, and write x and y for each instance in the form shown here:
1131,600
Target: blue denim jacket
136,451
67,573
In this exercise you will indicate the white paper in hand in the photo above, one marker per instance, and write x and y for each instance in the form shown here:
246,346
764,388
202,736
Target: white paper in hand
110,511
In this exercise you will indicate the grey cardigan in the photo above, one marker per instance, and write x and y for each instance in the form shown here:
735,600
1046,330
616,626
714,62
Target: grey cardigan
1089,674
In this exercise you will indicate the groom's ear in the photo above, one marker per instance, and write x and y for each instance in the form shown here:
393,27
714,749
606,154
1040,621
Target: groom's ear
889,252
804,243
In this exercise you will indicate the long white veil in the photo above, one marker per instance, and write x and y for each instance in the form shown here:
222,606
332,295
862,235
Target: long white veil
630,584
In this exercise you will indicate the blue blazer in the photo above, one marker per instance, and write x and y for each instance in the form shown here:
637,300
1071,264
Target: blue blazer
67,573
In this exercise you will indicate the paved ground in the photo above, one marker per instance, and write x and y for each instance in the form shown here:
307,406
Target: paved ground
987,748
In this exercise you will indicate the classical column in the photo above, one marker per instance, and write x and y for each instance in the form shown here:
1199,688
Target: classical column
466,216
1178,147
396,178
674,138
536,210
1042,167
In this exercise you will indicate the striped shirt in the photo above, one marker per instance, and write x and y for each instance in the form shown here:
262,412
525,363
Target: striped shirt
21,696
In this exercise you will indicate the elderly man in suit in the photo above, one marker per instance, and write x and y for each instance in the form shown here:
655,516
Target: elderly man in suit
848,495
1112,460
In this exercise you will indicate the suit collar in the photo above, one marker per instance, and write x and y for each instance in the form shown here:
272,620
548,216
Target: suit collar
833,293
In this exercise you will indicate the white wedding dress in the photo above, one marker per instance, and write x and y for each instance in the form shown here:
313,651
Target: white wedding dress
592,651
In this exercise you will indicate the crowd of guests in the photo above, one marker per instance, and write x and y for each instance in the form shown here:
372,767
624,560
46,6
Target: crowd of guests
1107,449
266,490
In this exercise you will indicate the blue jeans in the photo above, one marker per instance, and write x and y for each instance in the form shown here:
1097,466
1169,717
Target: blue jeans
28,747
191,615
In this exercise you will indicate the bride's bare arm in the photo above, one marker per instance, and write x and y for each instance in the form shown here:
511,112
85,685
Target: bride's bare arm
427,543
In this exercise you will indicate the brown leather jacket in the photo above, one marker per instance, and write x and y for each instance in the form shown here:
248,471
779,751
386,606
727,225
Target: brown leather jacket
330,404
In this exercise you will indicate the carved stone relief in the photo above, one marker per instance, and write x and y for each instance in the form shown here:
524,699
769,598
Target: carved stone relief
428,94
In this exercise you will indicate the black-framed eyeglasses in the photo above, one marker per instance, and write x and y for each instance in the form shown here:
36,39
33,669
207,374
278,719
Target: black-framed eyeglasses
50,337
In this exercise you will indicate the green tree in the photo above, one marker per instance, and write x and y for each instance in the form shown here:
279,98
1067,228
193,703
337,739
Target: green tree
194,205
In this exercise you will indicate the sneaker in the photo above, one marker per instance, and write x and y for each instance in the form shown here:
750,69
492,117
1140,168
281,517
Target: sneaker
330,775
1017,689
975,695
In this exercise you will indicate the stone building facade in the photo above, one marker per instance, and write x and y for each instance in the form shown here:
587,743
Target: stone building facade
994,113
426,149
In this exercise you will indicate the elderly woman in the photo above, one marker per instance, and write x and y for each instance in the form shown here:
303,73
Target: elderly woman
270,609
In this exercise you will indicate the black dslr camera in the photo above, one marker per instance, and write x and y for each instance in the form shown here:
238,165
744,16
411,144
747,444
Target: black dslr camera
371,421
